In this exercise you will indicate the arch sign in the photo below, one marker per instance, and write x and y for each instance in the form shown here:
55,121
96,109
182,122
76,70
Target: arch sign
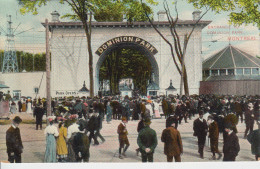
126,39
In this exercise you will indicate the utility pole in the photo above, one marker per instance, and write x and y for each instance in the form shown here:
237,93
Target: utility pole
48,75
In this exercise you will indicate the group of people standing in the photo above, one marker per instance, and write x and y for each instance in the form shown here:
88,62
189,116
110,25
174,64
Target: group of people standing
216,115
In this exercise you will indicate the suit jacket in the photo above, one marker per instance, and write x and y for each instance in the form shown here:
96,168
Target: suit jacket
13,140
121,130
147,138
172,142
200,128
38,112
231,145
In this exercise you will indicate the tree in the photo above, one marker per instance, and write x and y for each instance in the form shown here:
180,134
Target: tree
180,50
82,10
240,11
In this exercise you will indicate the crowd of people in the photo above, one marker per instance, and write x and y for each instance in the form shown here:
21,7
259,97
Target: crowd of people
80,121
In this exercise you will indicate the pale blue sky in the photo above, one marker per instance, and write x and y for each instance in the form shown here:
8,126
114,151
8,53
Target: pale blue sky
34,40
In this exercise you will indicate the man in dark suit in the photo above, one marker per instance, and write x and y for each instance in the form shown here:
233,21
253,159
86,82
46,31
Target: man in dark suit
172,141
231,145
14,142
38,113
147,141
200,129
254,140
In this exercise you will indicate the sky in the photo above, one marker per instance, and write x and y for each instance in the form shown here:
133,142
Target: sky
215,36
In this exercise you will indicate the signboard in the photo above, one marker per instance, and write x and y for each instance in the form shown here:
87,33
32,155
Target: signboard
62,93
126,39
4,109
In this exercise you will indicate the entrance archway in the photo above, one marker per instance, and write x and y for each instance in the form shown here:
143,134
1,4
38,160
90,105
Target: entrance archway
127,42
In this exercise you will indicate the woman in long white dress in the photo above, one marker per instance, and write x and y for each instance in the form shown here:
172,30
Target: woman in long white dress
29,107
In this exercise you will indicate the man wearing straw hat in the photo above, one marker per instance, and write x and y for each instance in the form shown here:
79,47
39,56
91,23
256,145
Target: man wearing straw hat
14,142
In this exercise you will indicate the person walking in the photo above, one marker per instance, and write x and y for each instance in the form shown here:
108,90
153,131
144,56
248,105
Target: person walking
213,136
147,141
122,137
108,112
14,142
62,150
50,152
249,119
200,129
92,126
13,107
254,139
172,141
38,112
231,144
99,121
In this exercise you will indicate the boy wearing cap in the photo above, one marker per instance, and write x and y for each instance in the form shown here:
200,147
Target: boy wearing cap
231,144
213,135
147,141
122,136
14,142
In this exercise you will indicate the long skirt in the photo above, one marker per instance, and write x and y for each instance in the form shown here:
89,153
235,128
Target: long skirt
71,152
109,116
50,152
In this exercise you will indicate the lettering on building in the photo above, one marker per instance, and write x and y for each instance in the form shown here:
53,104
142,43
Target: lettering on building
126,39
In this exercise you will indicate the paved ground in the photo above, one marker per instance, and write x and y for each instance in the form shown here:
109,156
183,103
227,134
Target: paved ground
34,144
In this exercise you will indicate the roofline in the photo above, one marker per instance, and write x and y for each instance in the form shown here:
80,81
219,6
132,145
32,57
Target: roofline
202,23
230,68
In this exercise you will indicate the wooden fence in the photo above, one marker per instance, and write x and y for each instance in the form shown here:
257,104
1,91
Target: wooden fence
232,87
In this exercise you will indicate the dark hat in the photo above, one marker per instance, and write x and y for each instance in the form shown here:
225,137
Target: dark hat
81,127
147,121
171,120
228,126
201,112
17,119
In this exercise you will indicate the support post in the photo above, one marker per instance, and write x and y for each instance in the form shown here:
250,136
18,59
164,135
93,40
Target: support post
48,75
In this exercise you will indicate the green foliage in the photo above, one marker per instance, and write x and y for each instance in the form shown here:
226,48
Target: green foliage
126,63
104,10
241,11
26,60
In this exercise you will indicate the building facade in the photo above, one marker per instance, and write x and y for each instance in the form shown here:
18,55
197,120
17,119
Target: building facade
69,54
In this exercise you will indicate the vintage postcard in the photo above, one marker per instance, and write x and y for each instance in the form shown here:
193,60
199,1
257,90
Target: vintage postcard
109,81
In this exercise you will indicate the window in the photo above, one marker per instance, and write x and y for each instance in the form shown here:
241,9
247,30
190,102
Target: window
16,94
36,90
206,73
153,93
239,71
247,71
222,72
231,72
214,72
255,71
